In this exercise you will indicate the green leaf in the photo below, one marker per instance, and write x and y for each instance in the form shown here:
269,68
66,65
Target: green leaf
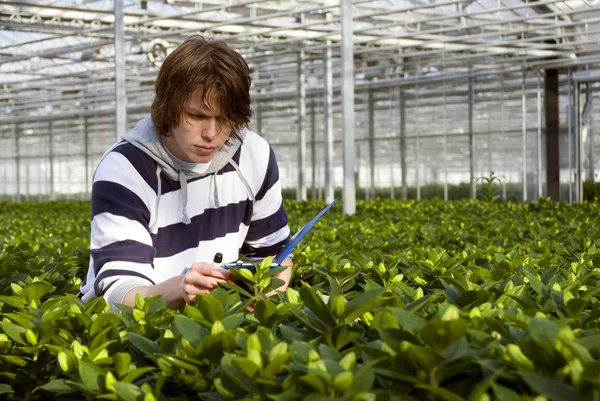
524,301
504,393
35,291
309,320
551,388
246,366
91,375
145,345
180,362
483,386
440,334
60,386
549,274
274,270
420,303
535,283
364,379
121,361
334,287
233,321
408,320
543,329
14,360
393,374
128,391
316,305
137,373
274,285
236,288
16,333
6,388
191,330
363,303
591,341
441,392
340,336
263,310
13,300
210,307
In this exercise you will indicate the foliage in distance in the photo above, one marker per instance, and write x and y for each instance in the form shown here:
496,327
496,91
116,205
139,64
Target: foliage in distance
431,300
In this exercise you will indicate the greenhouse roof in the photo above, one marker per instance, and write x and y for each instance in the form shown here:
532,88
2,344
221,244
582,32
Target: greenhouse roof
63,51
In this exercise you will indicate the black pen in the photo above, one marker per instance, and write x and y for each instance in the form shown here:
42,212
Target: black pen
217,259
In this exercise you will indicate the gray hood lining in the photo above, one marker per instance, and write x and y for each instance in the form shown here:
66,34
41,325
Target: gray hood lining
145,138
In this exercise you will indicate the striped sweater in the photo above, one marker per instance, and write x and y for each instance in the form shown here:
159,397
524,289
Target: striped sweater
151,218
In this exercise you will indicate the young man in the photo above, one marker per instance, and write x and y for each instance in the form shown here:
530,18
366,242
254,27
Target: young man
187,182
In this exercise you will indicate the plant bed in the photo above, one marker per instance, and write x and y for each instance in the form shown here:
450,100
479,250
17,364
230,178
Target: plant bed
431,300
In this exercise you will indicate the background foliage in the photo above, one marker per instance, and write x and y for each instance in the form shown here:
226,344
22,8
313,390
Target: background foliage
431,300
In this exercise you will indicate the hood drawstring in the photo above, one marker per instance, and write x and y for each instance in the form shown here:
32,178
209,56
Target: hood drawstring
215,190
184,193
184,198
242,178
154,222
248,188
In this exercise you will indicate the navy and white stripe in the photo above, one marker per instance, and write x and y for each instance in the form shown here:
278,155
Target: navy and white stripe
124,195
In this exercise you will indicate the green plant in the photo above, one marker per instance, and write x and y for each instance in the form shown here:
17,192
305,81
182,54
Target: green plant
404,300
488,190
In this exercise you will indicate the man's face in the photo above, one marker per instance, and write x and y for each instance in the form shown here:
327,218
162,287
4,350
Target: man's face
201,132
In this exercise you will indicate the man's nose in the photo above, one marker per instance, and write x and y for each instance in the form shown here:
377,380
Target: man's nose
211,129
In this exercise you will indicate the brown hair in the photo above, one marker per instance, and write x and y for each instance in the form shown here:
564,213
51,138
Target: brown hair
210,65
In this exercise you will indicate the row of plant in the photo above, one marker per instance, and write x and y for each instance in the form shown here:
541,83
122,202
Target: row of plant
506,190
431,300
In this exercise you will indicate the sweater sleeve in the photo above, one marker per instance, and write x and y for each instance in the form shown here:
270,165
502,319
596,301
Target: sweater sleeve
269,231
122,251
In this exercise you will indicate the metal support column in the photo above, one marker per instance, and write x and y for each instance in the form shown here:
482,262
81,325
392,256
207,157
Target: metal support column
590,121
313,148
347,83
586,127
17,160
503,138
578,147
403,144
570,133
471,143
371,124
51,157
259,129
393,122
489,144
524,136
417,144
120,89
301,189
551,96
27,179
445,151
328,123
86,153
540,187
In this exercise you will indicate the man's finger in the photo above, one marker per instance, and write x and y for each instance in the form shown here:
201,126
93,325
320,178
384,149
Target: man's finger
202,268
219,272
200,280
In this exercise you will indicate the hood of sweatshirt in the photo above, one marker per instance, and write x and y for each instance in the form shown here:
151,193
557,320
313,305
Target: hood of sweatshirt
145,138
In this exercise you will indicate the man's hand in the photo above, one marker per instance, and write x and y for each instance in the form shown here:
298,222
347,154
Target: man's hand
285,275
202,278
